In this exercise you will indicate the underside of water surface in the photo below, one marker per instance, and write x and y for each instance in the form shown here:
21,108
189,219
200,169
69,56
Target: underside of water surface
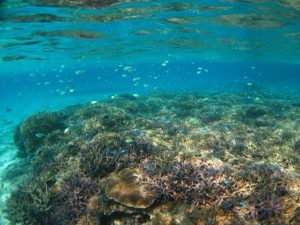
104,31
149,112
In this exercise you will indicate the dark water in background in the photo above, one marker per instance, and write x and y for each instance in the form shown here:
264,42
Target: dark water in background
58,53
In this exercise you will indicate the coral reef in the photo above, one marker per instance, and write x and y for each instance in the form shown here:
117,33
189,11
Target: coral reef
162,159
30,203
70,202
30,135
194,183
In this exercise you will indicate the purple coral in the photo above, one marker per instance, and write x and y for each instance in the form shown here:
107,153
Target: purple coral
265,207
185,181
71,201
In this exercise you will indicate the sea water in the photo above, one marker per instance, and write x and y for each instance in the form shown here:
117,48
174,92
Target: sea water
55,54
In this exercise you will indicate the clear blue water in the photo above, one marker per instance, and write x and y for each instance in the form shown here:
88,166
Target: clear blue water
43,47
226,37
58,53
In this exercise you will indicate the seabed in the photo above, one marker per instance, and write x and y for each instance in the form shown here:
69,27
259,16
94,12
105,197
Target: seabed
222,158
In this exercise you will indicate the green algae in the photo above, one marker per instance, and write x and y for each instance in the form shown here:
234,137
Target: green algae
222,152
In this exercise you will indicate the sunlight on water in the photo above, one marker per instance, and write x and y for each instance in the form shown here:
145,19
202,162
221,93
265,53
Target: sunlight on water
89,30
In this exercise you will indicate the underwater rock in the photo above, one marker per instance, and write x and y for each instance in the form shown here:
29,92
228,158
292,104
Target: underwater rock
126,188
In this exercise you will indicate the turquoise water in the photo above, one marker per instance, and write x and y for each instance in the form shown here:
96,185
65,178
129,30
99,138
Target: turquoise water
65,47
231,56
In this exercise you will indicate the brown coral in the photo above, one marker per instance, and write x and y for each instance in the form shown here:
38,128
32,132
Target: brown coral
126,188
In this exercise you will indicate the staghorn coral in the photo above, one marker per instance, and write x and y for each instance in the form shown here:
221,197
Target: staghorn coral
30,203
88,220
111,151
193,183
266,207
70,203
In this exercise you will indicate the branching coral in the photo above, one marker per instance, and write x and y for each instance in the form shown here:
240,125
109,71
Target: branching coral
29,135
30,204
70,203
266,207
196,184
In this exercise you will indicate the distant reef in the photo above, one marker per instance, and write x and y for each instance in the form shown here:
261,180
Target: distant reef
195,158
75,3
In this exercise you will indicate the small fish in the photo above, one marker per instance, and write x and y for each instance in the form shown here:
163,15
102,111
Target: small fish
93,102
7,122
128,68
227,182
67,131
39,135
165,63
149,166
8,109
78,72
128,141
124,151
243,204
114,151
